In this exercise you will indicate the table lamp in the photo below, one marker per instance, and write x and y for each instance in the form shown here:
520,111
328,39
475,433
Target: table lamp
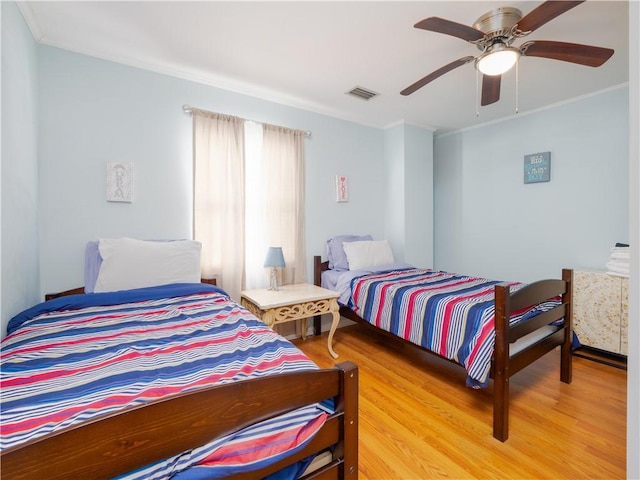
275,260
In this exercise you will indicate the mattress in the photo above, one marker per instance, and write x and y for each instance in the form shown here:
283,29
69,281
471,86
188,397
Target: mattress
80,357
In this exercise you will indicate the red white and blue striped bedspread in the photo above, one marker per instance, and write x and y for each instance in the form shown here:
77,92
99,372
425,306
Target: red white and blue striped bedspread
449,314
74,359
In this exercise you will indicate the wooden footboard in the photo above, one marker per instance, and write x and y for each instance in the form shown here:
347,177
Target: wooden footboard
122,442
504,364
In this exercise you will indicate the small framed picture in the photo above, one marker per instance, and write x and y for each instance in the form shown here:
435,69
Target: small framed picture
119,182
342,189
537,167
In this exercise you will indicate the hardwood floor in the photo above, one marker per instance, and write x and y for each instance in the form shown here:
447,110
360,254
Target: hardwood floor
419,421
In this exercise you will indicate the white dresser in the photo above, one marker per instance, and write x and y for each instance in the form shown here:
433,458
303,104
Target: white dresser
601,310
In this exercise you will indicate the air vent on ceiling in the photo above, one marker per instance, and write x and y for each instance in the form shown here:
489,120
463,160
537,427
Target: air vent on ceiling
362,93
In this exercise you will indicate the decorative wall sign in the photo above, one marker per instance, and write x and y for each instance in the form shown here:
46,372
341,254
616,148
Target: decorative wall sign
342,189
119,182
537,167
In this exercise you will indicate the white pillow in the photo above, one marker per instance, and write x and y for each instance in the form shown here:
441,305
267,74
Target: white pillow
129,263
367,253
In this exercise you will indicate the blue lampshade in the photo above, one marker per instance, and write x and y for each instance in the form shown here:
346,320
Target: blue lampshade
275,258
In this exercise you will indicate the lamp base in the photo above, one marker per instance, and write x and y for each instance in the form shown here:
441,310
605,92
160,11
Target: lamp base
273,279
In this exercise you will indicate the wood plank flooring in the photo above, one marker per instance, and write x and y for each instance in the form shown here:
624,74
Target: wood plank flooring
419,421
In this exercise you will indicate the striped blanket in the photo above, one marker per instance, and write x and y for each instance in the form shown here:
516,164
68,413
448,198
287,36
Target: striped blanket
80,357
448,314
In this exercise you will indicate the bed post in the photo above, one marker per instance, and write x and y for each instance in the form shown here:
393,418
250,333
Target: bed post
565,352
348,403
501,364
317,280
317,270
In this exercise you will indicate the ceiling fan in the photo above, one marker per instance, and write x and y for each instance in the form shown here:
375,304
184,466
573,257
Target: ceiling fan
494,32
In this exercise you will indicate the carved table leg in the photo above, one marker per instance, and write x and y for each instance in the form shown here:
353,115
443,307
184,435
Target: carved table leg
335,311
269,317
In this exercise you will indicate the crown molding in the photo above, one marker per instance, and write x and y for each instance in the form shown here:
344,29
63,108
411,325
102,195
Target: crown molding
30,19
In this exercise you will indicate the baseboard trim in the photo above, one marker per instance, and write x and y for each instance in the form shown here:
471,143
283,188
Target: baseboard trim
602,356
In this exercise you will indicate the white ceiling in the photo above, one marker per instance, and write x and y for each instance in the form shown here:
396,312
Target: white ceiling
308,54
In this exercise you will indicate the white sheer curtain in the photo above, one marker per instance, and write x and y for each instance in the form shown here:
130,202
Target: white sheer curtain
219,197
249,195
283,157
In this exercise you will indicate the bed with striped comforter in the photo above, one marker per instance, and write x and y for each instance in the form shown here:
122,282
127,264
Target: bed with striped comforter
448,314
80,357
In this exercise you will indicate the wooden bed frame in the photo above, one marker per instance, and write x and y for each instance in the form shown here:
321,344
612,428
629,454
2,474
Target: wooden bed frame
504,365
80,290
135,437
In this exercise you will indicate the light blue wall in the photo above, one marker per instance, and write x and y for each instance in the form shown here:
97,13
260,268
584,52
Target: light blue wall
19,280
409,193
489,223
394,197
418,190
93,111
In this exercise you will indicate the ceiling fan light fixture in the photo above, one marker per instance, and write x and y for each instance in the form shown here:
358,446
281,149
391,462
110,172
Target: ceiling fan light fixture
498,60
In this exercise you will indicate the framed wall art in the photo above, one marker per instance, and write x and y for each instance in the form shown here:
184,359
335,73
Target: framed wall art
342,189
119,182
537,167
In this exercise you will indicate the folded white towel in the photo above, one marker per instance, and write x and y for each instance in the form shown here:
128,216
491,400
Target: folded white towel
619,262
619,249
618,274
620,255
618,267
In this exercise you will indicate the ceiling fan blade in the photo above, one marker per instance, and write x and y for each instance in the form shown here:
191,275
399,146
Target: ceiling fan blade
490,89
567,52
441,25
433,75
545,12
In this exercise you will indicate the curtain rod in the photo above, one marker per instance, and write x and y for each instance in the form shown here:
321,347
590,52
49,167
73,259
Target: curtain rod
187,109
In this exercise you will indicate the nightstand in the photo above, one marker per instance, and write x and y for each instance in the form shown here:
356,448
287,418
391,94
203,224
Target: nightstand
293,302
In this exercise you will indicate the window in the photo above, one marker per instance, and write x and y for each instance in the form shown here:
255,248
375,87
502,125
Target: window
248,196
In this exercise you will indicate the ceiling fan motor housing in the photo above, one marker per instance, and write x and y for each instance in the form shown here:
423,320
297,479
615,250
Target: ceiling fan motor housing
497,25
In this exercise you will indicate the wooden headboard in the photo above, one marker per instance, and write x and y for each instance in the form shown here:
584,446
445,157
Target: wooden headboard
80,290
318,267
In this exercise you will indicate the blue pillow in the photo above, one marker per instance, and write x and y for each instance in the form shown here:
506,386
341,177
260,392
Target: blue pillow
92,262
335,253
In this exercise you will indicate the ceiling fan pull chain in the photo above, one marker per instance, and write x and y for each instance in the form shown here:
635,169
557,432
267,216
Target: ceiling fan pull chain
477,93
517,93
